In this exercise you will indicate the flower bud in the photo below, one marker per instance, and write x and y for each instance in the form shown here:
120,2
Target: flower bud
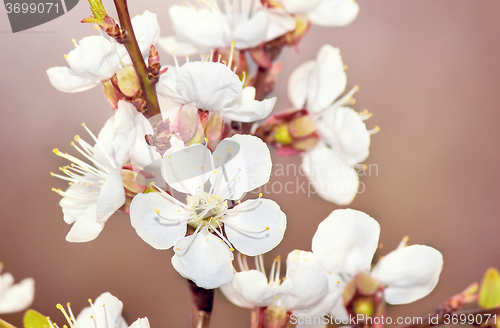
291,132
128,81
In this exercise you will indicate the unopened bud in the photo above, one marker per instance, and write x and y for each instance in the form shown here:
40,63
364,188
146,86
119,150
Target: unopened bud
363,305
283,136
128,81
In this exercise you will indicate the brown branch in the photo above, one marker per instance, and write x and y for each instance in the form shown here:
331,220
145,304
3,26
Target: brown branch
128,39
202,300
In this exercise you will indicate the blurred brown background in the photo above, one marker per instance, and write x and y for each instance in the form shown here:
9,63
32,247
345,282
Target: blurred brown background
428,70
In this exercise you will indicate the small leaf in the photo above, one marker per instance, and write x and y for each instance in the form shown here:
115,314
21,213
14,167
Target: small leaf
33,319
489,295
4,324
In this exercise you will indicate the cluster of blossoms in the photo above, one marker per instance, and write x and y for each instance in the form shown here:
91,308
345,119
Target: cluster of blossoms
182,173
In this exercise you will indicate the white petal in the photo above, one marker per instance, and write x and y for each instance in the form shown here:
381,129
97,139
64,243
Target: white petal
344,130
409,273
255,226
147,32
243,163
327,79
249,289
105,313
204,259
346,241
65,80
300,6
303,288
140,323
251,32
86,227
280,22
334,13
17,297
167,85
111,196
332,178
173,45
297,84
201,27
234,296
301,260
95,58
339,311
188,170
163,230
210,85
246,109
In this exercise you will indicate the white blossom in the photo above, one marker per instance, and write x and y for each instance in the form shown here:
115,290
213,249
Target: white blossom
96,187
299,292
15,297
344,245
331,165
104,312
201,28
213,86
97,58
239,164
324,12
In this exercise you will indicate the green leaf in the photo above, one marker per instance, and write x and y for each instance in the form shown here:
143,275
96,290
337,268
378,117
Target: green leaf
33,319
4,324
489,295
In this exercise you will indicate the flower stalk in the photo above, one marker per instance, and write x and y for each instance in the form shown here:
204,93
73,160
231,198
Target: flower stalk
202,304
128,39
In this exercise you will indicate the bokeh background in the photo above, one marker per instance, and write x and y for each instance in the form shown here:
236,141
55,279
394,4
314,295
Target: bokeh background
428,70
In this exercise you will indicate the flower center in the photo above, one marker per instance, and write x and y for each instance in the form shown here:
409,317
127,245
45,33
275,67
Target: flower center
206,209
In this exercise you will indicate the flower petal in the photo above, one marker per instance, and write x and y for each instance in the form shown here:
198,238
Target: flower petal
333,179
173,45
244,163
64,79
247,109
106,312
255,226
279,23
111,196
302,260
161,230
297,84
188,170
344,130
210,85
346,241
409,273
249,289
16,297
303,288
300,6
327,79
147,32
252,32
95,58
204,259
334,13
86,227
140,323
202,28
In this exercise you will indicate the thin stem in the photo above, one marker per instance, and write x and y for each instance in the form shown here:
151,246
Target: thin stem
260,83
442,320
202,300
130,42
